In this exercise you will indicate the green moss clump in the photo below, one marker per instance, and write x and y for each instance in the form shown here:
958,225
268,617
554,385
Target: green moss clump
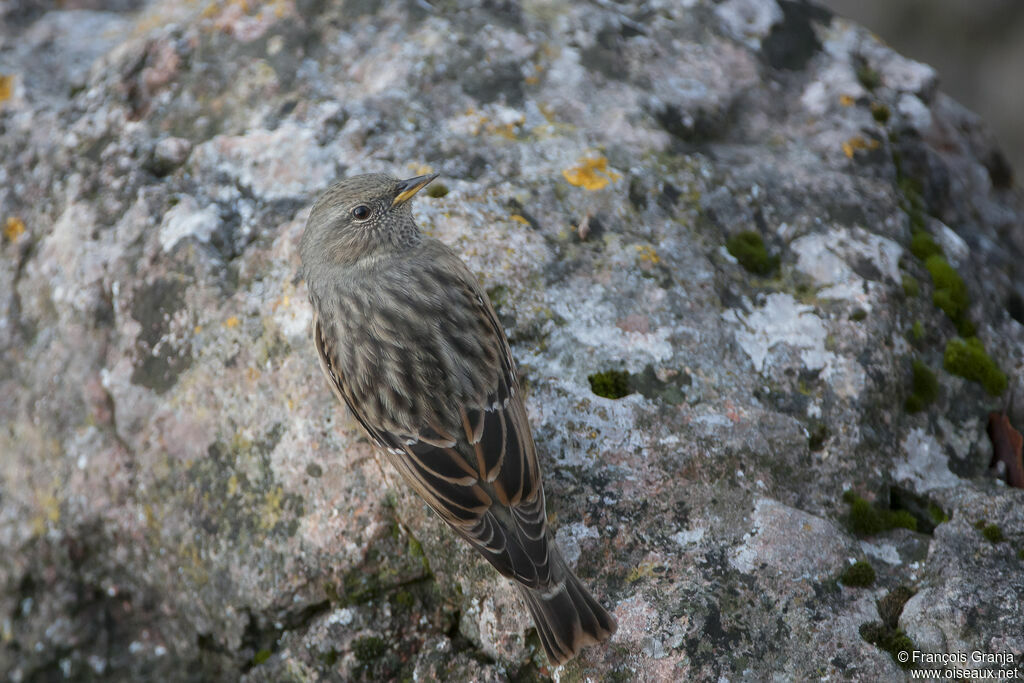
858,315
967,358
992,533
1020,554
817,435
368,648
437,190
899,519
404,598
917,332
950,291
610,384
892,640
261,656
937,514
911,288
867,520
416,550
868,77
864,519
923,245
748,248
804,291
913,203
880,112
924,388
360,587
860,574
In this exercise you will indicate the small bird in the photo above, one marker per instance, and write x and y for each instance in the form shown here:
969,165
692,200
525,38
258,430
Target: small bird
411,344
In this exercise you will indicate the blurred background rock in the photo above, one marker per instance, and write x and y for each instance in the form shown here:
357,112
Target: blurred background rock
977,46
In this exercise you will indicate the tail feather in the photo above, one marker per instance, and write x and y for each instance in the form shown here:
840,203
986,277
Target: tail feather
567,616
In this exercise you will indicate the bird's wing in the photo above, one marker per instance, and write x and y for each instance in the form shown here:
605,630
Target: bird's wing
502,513
485,482
341,387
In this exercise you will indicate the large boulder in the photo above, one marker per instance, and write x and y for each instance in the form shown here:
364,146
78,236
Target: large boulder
761,276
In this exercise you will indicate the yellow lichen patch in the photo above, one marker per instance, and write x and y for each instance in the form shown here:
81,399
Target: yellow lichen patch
644,570
590,174
225,12
197,329
14,228
151,522
647,254
421,169
192,566
846,100
272,507
535,79
859,142
232,484
232,322
6,87
504,122
547,111
49,513
518,219
51,506
505,130
500,121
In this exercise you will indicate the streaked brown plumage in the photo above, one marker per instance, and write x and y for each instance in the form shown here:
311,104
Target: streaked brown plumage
412,346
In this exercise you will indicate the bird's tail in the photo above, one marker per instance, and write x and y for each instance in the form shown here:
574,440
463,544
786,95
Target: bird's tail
567,616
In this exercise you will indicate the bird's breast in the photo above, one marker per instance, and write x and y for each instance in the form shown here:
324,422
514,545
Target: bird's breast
412,356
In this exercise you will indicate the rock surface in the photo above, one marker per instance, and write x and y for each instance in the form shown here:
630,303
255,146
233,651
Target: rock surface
181,497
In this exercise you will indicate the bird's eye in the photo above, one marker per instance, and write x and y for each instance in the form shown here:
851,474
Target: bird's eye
361,212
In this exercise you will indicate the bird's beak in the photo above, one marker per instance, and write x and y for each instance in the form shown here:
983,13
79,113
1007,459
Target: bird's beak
407,188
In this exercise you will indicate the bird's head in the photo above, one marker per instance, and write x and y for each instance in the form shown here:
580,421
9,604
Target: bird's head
361,217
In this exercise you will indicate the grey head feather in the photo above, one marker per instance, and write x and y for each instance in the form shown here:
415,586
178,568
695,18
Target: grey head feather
355,220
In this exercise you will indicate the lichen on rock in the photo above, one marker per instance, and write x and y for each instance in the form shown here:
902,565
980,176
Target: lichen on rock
181,492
